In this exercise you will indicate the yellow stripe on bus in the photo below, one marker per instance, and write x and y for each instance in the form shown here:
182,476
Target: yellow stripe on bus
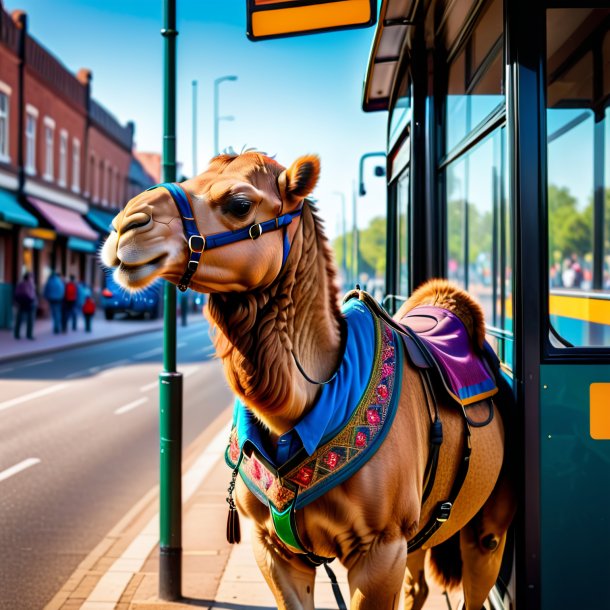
317,17
580,308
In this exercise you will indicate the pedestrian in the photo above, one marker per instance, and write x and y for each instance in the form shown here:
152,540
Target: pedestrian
82,292
88,311
70,297
26,300
54,291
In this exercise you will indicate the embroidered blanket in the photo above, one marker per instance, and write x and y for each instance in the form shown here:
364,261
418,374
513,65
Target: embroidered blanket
466,374
339,435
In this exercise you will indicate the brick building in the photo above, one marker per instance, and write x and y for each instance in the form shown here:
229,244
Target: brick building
66,166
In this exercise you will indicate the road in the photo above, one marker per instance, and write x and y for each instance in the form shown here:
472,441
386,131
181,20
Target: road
79,447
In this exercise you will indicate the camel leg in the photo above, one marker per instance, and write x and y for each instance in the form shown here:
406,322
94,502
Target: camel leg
375,579
289,579
415,587
482,544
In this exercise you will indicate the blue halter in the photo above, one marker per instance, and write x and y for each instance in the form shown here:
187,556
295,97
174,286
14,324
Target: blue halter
197,243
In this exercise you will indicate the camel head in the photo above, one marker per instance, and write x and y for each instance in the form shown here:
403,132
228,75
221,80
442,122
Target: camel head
235,193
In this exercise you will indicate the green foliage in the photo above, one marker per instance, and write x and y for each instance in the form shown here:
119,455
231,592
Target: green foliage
570,229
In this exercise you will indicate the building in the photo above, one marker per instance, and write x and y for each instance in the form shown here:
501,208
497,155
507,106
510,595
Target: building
65,166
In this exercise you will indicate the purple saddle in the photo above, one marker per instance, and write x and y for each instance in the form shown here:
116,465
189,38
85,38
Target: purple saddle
465,373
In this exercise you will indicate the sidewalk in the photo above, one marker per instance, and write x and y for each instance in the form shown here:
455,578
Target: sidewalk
122,572
101,330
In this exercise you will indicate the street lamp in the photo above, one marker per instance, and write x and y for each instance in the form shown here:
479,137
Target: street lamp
379,171
194,173
344,234
217,119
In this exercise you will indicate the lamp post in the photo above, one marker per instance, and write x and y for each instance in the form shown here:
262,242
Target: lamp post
194,128
363,158
344,235
217,119
170,381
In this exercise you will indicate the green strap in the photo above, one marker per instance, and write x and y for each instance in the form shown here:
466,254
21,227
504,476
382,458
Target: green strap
285,527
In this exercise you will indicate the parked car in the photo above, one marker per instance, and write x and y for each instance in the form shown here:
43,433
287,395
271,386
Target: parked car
116,299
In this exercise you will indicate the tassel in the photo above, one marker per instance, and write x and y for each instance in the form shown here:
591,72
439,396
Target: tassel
233,529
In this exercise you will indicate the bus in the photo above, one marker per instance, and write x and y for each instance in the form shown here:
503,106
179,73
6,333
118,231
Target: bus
498,177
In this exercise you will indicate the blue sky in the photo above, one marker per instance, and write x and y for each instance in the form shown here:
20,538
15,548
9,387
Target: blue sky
293,96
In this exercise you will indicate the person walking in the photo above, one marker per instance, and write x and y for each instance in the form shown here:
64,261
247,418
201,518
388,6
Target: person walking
54,291
70,298
25,298
82,292
88,311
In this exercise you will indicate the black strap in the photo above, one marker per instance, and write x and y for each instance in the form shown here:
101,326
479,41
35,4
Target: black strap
336,589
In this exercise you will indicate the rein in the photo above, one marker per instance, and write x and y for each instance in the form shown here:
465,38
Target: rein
198,243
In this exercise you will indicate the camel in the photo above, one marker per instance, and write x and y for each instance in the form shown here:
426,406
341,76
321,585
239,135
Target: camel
256,245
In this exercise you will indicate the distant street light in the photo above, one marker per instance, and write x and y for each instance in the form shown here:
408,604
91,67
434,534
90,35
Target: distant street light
217,119
344,234
194,128
379,171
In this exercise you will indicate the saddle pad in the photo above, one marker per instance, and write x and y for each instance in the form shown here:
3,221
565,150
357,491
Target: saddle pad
466,374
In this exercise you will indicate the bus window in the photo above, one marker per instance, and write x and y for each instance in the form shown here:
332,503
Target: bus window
578,146
478,234
476,78
403,233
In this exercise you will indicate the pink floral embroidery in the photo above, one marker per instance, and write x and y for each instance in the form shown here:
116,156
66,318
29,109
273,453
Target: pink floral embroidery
361,439
386,370
256,470
331,459
382,391
387,352
304,476
234,448
372,415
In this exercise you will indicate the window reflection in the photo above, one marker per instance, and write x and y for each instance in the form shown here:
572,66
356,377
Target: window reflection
578,147
476,78
473,200
403,234
400,114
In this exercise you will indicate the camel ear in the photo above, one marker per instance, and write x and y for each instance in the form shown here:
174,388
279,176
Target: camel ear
299,179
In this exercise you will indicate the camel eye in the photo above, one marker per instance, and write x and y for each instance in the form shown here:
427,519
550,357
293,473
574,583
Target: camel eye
239,206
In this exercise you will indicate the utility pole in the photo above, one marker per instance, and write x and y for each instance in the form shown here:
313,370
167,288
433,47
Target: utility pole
217,119
194,172
170,381
344,236
355,245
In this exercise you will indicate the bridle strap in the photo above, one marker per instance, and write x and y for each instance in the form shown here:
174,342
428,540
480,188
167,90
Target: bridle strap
197,243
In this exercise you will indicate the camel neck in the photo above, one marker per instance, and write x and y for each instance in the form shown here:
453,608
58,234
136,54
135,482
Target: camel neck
259,332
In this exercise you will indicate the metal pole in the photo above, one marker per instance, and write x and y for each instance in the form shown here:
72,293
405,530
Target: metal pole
361,169
170,381
355,247
194,128
344,236
216,82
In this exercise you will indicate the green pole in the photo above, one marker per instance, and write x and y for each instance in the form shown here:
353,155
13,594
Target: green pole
170,381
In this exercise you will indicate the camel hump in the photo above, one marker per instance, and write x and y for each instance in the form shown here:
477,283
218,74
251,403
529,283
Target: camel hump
444,294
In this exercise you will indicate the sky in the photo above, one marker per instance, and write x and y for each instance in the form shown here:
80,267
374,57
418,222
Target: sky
293,96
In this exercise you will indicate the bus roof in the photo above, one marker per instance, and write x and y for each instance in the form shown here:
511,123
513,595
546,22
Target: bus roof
395,18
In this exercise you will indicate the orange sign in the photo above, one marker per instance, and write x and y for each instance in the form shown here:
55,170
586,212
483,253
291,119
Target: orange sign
278,18
599,409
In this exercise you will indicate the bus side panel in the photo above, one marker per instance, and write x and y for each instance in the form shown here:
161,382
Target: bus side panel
575,486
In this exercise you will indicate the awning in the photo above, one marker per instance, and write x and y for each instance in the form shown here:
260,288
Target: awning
65,222
11,211
102,221
81,245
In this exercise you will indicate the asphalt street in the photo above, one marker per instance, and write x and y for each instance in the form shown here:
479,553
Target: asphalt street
79,447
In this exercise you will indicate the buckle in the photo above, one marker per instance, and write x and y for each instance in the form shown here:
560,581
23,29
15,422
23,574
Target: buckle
444,510
197,243
255,231
192,266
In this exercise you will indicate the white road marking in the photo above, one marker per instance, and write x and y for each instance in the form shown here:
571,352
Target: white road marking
7,369
110,587
9,472
7,404
150,352
149,386
42,361
131,405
